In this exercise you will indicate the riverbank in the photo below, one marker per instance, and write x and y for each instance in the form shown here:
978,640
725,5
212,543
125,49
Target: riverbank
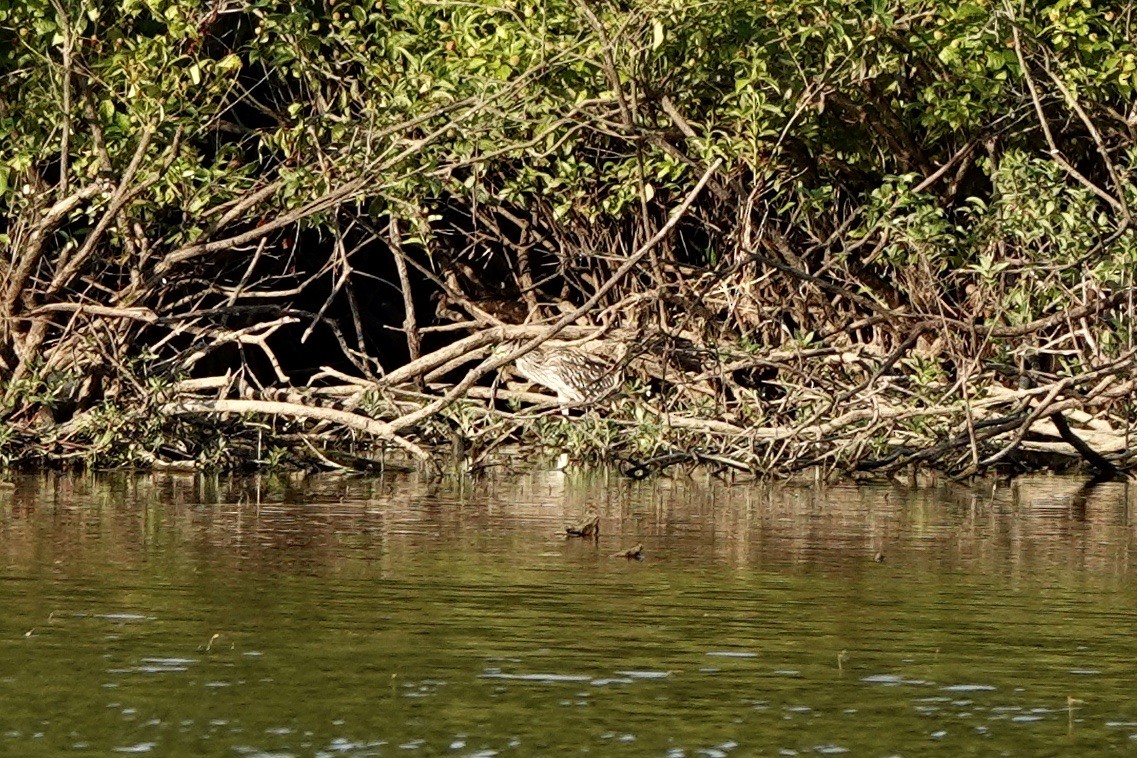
854,241
679,403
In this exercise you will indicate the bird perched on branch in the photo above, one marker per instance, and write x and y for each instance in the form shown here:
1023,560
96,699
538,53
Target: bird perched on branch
576,375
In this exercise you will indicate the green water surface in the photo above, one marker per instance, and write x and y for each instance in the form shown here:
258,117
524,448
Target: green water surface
181,615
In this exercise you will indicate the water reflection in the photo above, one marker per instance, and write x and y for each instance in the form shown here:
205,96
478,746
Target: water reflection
323,524
339,615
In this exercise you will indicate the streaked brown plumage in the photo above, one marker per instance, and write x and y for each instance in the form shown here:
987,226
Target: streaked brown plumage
576,375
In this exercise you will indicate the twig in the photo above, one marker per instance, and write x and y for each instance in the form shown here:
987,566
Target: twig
296,410
65,136
1055,153
410,328
473,376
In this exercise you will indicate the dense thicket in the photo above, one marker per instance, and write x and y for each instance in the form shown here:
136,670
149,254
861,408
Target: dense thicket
859,234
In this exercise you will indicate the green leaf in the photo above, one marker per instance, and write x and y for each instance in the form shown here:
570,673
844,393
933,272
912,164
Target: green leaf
230,62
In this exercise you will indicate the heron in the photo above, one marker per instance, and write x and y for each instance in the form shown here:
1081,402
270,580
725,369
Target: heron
576,375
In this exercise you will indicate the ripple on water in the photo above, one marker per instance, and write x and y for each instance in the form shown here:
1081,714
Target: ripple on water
644,674
552,678
892,680
170,661
344,745
168,664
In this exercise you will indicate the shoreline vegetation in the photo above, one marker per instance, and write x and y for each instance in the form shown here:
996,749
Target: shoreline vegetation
852,239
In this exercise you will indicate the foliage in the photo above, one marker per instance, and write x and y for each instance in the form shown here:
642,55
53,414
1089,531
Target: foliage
213,184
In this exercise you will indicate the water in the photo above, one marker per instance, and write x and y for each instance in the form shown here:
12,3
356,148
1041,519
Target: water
179,615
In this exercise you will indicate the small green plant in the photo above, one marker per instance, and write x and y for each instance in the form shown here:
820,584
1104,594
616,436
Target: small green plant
925,373
275,457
